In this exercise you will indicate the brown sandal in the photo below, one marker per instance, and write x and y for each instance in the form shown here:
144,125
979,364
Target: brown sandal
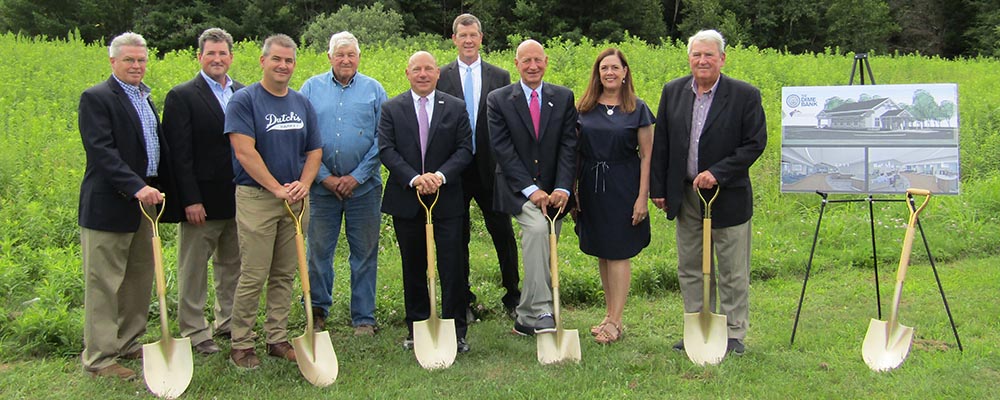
608,336
594,330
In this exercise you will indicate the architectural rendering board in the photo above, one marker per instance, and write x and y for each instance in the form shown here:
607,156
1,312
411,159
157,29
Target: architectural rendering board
870,138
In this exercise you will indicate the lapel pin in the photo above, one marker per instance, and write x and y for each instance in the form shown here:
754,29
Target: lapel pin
440,101
550,104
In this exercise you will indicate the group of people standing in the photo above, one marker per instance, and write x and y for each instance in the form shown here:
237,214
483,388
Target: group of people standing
236,160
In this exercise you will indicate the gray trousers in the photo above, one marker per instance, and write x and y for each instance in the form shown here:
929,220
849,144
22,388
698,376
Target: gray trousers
730,267
216,239
536,294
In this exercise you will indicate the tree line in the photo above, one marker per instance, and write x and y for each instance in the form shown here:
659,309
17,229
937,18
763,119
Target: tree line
957,28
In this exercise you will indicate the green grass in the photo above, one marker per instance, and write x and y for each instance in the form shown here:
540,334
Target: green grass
825,361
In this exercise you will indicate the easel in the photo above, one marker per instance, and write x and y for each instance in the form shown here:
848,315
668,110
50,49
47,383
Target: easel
862,59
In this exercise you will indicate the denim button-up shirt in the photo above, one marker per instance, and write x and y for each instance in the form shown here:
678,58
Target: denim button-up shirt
348,115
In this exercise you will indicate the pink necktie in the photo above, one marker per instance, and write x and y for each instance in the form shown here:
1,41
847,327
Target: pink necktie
536,111
422,125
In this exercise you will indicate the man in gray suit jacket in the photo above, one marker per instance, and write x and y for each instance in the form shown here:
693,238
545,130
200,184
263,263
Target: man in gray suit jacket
470,71
425,143
709,130
194,113
533,133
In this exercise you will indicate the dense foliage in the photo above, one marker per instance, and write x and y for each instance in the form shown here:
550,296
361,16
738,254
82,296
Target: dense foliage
945,28
42,160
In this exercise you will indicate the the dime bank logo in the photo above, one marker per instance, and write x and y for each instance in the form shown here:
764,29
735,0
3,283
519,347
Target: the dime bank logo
793,100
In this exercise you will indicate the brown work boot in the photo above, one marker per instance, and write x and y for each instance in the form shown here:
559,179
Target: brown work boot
135,355
244,358
114,370
364,330
281,350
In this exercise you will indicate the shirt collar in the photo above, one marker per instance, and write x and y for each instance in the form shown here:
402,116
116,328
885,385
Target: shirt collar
527,90
416,98
474,65
132,90
694,86
350,83
214,84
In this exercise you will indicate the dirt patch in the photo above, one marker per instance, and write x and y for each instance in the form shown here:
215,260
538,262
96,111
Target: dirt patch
5,367
698,376
931,344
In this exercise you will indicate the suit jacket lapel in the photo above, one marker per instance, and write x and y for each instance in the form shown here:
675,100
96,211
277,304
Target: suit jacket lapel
206,94
435,117
521,106
545,109
687,105
719,100
126,105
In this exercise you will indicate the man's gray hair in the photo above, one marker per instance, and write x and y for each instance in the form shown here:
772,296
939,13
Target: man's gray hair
279,39
341,39
125,39
466,20
214,35
710,36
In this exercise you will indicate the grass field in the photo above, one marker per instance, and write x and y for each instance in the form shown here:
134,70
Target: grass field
824,362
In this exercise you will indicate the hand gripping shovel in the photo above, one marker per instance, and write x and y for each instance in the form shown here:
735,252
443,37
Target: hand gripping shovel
705,333
167,364
563,345
313,350
434,341
887,343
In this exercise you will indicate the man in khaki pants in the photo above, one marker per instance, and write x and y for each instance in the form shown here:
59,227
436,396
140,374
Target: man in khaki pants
124,147
193,117
277,146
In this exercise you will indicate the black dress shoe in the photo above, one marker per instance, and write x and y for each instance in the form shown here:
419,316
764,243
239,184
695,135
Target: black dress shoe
463,346
735,346
679,346
207,347
522,330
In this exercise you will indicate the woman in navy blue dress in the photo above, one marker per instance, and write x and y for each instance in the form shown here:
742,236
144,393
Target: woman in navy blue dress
616,141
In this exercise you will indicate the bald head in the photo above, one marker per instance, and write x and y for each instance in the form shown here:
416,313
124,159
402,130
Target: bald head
531,61
422,72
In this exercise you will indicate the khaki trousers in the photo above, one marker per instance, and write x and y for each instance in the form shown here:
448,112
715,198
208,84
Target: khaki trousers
215,239
118,277
268,254
536,296
730,273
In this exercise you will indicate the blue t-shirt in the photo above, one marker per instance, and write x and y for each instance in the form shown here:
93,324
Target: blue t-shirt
284,129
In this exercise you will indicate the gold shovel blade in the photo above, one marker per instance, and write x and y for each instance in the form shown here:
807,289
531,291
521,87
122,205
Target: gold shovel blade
559,346
167,366
885,347
705,337
316,359
435,343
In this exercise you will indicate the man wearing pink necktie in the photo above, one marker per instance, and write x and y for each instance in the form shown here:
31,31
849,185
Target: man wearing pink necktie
425,141
533,134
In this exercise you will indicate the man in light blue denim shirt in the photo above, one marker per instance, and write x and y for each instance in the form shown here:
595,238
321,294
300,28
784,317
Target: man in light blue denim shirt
349,183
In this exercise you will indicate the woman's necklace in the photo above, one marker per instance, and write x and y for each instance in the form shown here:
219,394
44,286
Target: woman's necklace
611,110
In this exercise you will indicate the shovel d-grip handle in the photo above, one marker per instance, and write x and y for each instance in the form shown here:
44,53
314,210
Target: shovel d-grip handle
300,250
430,251
706,245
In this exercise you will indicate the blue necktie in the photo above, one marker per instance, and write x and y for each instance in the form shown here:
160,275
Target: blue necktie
470,103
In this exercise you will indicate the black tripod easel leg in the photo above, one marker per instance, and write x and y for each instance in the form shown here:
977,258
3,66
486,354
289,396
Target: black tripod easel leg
812,252
871,219
930,257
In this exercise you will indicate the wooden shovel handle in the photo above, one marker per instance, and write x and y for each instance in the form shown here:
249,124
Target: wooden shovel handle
161,281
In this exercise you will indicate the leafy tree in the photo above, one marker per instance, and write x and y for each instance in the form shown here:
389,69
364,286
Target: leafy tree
95,19
859,25
372,24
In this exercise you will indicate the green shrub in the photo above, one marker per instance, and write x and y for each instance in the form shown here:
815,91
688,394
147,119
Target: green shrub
373,24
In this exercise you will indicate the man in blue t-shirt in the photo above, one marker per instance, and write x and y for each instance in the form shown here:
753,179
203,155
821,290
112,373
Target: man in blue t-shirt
277,150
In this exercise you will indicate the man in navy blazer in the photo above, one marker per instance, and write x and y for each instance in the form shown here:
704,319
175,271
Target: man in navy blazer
479,177
127,159
193,116
425,143
709,130
533,133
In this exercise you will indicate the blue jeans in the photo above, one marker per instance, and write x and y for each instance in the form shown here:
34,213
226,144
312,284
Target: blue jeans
363,218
